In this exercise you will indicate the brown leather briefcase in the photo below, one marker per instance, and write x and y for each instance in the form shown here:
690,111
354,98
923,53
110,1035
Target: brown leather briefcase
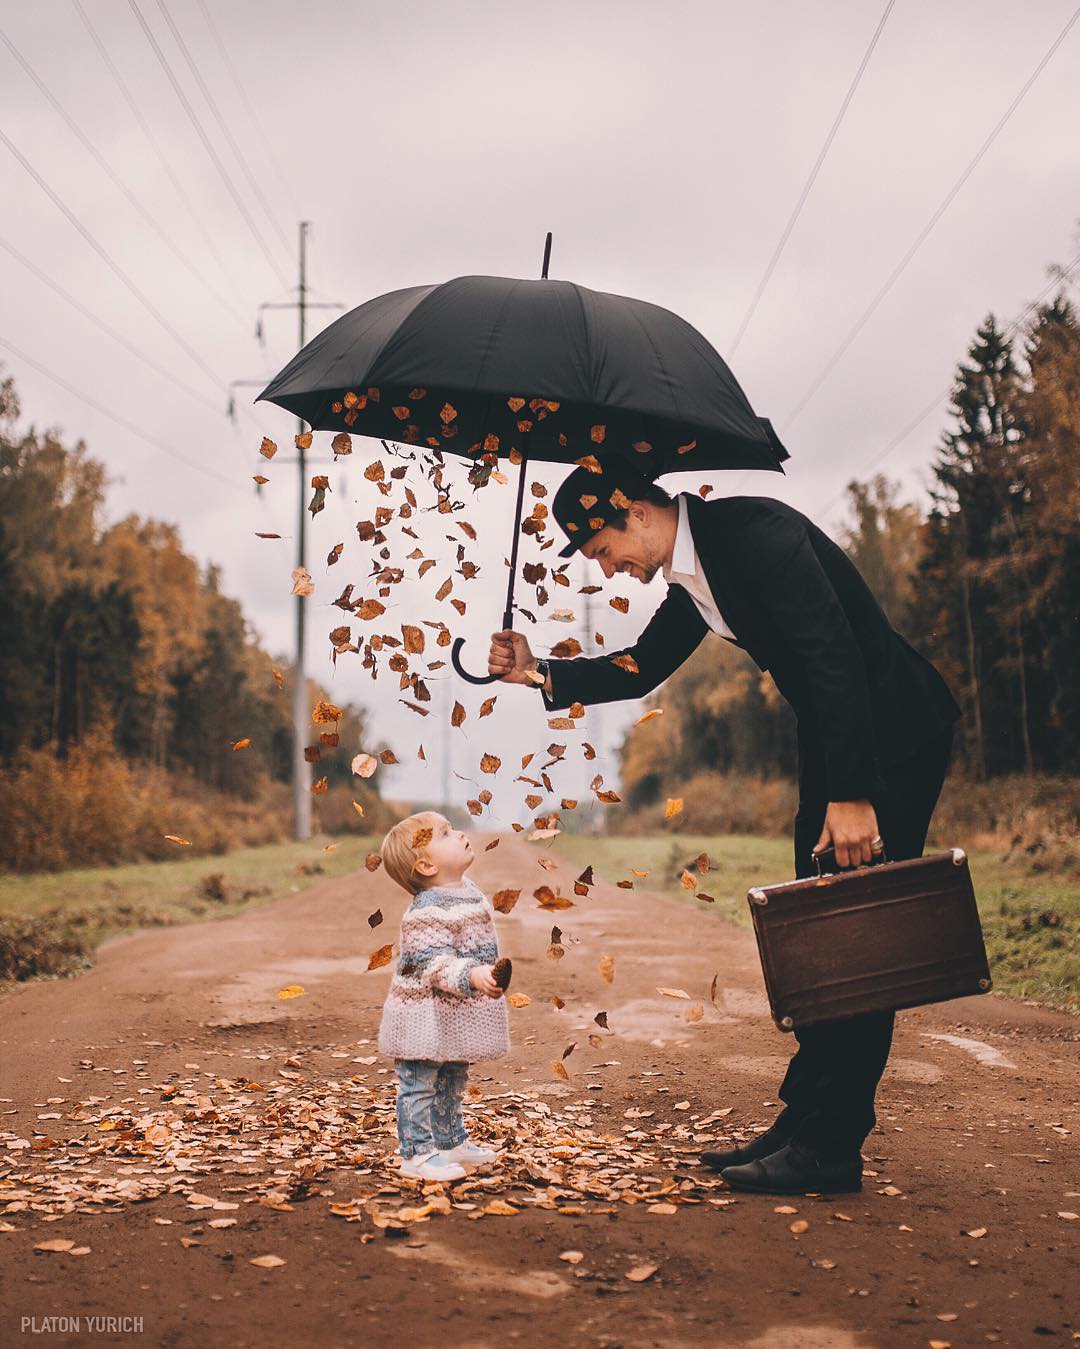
892,935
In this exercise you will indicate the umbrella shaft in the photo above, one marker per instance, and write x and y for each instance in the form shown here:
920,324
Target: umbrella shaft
508,612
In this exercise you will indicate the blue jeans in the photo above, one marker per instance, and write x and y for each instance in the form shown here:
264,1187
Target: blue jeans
429,1097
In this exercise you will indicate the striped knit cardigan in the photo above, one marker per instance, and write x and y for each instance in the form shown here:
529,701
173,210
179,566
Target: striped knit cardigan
431,1010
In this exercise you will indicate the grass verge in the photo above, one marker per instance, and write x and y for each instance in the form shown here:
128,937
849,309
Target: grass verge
51,923
1030,922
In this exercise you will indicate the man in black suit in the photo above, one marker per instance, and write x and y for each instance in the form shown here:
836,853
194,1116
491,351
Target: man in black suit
875,724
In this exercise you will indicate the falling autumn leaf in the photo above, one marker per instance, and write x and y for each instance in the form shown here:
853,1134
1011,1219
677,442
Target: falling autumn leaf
292,991
178,839
245,743
374,919
673,806
267,449
559,1069
607,969
503,901
380,957
267,1261
674,993
363,765
302,582
518,999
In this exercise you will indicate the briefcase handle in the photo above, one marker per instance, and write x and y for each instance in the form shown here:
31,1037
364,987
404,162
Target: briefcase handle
878,859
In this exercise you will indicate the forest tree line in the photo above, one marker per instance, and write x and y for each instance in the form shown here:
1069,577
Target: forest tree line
119,649
984,579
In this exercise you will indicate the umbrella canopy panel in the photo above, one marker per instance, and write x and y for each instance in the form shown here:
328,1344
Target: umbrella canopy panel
487,364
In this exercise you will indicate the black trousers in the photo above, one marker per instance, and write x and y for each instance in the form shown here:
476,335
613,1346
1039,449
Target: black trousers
828,1090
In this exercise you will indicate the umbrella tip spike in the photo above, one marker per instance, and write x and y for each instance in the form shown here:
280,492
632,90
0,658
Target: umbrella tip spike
547,257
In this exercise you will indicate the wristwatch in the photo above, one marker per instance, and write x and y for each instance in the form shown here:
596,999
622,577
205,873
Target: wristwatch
542,669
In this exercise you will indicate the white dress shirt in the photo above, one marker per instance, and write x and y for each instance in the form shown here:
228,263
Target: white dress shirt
686,570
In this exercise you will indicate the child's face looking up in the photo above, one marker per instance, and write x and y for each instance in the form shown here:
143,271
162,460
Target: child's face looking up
448,856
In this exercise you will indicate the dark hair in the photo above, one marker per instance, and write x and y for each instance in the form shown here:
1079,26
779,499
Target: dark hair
654,494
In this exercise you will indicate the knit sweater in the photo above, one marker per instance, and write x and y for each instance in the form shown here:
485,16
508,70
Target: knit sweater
431,1010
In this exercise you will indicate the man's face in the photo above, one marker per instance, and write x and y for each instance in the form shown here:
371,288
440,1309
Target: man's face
633,551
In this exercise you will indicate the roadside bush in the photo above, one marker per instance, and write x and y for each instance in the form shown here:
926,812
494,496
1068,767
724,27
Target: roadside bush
92,808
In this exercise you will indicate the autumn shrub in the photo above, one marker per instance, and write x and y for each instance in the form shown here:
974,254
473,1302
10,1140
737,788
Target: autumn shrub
92,808
718,803
1032,820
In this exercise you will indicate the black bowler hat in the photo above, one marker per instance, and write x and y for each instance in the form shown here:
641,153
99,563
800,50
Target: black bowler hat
586,500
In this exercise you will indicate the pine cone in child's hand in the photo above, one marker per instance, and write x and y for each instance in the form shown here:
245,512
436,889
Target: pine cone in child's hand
501,972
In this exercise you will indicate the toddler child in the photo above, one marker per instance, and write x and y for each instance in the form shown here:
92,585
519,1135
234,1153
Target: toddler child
444,1009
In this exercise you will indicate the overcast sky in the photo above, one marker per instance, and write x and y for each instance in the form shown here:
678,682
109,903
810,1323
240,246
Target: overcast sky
665,145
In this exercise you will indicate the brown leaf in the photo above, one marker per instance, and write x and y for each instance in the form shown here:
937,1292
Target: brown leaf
640,1273
414,639
674,993
607,969
374,919
559,1069
673,807
380,957
267,1261
518,999
490,763
325,713
370,609
178,839
373,861
267,449
458,715
503,901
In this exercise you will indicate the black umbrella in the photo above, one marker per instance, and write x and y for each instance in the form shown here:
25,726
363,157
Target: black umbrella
490,366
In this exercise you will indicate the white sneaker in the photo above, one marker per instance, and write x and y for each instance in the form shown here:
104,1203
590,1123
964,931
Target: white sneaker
470,1154
432,1166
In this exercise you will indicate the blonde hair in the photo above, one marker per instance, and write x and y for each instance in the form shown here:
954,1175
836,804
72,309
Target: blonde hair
400,855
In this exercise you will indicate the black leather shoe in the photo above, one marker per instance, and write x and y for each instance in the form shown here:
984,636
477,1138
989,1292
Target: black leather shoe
797,1170
772,1140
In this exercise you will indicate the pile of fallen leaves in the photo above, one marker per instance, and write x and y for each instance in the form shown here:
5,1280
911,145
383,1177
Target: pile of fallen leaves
223,1143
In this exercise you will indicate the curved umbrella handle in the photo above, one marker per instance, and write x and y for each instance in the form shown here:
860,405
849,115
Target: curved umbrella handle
455,659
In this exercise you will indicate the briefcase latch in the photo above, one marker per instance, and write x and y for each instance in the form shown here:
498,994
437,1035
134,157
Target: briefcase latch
758,896
959,857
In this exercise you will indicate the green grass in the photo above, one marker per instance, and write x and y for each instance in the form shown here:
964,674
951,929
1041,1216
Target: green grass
51,923
1030,922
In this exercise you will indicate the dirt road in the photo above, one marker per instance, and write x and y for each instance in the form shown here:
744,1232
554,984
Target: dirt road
161,1110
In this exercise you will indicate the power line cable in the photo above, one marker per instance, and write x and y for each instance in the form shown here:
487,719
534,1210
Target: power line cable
212,102
207,145
107,168
255,121
1010,328
116,269
163,160
808,185
156,444
925,232
162,370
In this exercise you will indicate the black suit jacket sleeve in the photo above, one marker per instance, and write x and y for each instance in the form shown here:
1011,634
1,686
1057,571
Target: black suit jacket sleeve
672,635
821,657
